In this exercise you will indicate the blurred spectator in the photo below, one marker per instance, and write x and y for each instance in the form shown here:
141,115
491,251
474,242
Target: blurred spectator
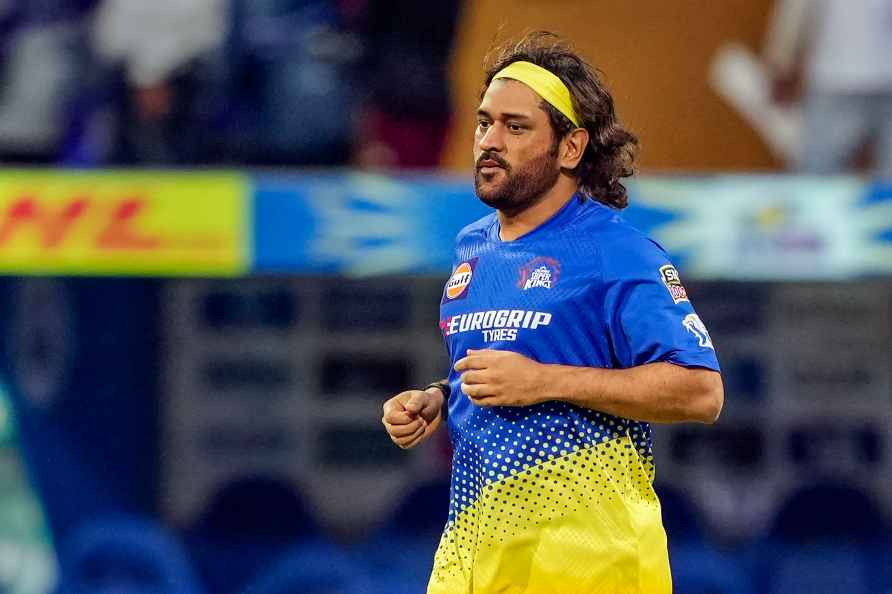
257,82
290,99
407,112
42,45
163,49
8,15
834,54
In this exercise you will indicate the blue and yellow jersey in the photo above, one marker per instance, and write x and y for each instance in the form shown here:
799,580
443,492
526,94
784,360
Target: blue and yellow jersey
553,498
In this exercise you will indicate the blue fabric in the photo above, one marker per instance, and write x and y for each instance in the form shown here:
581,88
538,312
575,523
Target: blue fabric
608,279
584,289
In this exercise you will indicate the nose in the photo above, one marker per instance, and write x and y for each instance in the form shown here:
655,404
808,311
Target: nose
492,139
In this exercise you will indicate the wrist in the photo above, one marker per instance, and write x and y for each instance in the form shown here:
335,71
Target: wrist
441,390
441,387
548,378
557,383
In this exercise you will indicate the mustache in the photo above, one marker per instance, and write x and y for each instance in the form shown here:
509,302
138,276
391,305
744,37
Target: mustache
489,156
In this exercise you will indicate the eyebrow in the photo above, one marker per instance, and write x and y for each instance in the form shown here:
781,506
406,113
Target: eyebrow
506,115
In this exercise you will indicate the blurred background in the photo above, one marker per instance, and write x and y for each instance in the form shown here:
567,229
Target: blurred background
224,230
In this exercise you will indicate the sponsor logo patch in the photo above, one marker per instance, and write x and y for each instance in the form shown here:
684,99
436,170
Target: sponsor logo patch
539,273
673,283
693,324
496,324
458,283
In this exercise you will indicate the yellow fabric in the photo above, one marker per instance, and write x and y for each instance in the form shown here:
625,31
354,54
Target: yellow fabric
588,522
545,83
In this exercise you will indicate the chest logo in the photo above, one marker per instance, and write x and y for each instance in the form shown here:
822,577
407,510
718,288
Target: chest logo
539,273
458,283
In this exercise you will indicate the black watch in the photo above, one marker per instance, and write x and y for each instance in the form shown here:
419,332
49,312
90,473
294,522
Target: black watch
442,386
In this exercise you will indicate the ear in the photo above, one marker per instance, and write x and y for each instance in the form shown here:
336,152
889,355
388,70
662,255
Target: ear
572,148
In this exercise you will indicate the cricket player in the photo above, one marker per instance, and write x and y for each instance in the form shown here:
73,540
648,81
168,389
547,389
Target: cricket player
569,332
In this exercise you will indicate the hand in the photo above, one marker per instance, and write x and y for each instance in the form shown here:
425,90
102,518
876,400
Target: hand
411,416
787,87
502,378
155,102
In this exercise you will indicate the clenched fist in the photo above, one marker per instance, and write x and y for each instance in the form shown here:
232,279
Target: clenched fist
411,417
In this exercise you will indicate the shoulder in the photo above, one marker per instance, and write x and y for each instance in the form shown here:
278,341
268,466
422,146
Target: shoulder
476,230
626,251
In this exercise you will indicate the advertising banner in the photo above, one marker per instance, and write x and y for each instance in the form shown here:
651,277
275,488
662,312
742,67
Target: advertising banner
355,224
134,223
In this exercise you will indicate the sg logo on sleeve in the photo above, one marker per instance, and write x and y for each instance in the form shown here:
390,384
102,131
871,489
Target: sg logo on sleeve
670,277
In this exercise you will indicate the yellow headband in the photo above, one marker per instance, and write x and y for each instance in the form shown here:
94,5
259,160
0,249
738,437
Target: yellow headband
544,82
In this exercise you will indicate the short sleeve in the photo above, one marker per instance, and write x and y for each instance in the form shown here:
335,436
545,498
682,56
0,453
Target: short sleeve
648,314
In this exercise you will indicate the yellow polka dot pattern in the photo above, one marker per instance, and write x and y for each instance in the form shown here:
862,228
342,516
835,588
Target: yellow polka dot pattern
583,521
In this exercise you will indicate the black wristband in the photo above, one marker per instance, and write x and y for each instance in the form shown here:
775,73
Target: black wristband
442,386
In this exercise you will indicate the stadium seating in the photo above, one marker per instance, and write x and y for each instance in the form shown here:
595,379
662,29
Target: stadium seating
700,569
881,568
819,569
697,566
245,527
124,555
311,569
822,542
681,518
399,556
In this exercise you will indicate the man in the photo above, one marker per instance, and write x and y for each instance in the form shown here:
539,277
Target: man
165,50
41,73
828,54
569,332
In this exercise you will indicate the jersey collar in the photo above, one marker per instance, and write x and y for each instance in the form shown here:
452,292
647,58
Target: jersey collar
557,221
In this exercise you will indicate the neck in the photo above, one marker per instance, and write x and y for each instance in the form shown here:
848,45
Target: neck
514,224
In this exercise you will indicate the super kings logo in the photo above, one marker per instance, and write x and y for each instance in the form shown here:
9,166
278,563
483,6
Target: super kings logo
539,273
55,223
496,324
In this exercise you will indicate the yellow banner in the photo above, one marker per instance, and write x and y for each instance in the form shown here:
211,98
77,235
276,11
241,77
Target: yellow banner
133,223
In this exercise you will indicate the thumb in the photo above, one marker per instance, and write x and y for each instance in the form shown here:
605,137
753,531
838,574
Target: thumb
416,402
432,408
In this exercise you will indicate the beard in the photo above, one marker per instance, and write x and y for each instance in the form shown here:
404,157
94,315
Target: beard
520,189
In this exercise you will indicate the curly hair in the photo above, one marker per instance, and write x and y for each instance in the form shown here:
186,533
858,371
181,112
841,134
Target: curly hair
610,154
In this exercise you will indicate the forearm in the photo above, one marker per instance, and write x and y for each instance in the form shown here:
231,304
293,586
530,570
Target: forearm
657,392
787,33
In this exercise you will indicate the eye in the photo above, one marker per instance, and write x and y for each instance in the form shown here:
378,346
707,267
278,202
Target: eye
483,124
515,128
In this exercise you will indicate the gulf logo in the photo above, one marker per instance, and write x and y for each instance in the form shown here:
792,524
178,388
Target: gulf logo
457,286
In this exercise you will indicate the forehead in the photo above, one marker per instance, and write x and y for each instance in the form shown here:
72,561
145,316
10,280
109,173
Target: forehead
505,95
